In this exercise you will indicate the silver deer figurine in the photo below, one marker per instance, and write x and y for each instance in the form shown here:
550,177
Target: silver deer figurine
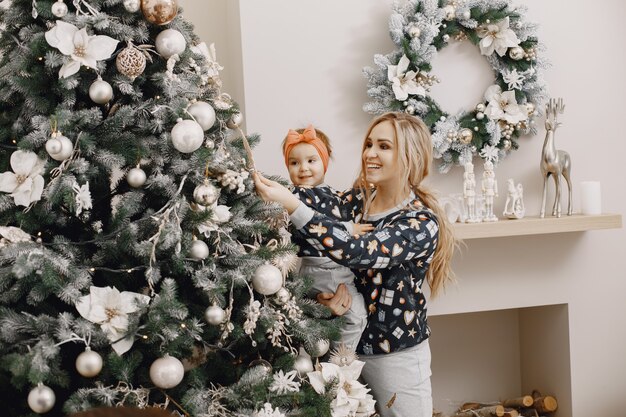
555,162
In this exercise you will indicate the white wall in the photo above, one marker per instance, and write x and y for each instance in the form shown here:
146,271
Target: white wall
302,63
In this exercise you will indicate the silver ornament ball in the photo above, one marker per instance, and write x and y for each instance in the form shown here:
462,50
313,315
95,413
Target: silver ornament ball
204,114
516,53
283,296
303,364
170,42
59,147
214,315
318,348
187,136
206,193
167,372
136,177
89,363
41,399
267,279
199,250
132,6
100,91
235,121
59,8
480,107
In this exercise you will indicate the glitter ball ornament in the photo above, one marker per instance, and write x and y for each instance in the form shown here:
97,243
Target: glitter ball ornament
170,42
187,136
214,315
100,91
167,372
516,53
235,121
136,177
206,193
199,250
132,6
159,12
318,348
59,147
282,296
59,8
267,279
130,62
465,136
203,113
89,363
41,399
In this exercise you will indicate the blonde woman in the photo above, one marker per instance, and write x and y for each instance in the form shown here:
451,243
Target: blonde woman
411,243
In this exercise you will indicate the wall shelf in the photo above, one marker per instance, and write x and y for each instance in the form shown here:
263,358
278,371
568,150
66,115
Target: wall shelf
533,225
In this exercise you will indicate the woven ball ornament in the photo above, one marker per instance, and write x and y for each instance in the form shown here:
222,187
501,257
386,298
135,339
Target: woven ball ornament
131,62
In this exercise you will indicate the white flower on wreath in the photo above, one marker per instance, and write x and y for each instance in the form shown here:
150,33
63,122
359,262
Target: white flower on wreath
497,37
25,183
513,79
83,197
503,106
490,153
268,411
83,49
351,396
403,83
110,308
284,383
219,214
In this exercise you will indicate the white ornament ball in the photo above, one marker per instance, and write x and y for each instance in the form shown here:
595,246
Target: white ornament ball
214,315
59,8
206,193
235,121
449,11
267,279
132,6
167,372
136,177
41,399
203,113
170,42
467,15
283,296
303,364
516,53
59,147
480,115
187,136
100,92
89,363
319,348
199,250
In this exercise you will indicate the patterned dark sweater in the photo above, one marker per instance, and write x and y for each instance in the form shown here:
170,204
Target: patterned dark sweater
390,265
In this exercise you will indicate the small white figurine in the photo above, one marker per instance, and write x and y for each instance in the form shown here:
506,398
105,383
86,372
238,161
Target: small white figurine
490,190
469,194
514,206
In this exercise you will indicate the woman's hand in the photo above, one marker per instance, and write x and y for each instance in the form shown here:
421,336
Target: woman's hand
361,228
339,302
270,190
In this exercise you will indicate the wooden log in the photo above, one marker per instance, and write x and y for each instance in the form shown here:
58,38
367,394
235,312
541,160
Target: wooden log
490,411
546,404
510,412
528,412
525,401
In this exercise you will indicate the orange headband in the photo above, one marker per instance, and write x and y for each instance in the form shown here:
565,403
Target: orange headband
308,136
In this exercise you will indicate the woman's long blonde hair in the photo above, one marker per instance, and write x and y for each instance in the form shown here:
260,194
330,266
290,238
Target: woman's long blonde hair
415,153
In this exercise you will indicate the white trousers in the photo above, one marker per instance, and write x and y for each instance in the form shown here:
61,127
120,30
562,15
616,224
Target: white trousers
400,381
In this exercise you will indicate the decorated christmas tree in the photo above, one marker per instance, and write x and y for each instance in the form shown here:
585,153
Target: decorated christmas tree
138,266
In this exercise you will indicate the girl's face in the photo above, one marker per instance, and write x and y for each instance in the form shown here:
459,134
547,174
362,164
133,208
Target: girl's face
380,156
305,166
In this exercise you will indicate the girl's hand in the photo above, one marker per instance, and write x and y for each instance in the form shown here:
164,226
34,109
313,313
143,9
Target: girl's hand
270,190
338,303
361,228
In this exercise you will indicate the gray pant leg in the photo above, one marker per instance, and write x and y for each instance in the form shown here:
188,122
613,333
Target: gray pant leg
405,375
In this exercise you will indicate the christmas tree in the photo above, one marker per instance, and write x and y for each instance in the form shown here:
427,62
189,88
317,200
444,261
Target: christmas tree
138,266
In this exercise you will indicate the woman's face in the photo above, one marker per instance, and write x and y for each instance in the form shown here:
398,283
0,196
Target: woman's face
380,156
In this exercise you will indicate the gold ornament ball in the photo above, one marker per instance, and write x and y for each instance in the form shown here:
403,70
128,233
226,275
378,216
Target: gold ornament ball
465,136
206,193
506,144
516,53
131,62
159,12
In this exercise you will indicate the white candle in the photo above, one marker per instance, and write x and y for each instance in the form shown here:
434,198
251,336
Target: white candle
590,197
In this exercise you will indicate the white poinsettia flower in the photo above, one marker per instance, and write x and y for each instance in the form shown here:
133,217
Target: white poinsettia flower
490,153
25,183
503,106
497,37
403,83
110,308
83,197
83,49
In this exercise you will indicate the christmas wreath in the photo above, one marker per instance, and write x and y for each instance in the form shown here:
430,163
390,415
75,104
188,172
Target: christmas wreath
401,80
